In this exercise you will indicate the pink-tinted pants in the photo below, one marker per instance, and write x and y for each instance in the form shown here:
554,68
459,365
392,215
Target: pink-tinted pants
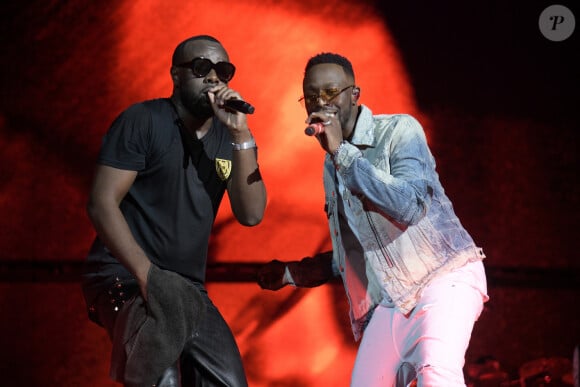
430,343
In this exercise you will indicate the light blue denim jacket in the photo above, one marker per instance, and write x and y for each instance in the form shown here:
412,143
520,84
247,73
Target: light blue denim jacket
393,229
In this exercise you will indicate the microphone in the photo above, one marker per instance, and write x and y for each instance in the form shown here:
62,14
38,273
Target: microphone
317,127
239,106
314,129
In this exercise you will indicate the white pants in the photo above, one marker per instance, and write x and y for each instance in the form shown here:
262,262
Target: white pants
430,343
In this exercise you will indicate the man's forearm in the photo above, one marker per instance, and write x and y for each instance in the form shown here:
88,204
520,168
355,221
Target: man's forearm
311,271
247,191
115,234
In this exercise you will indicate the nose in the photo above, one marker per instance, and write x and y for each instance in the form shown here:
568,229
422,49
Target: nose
320,100
324,104
320,105
212,77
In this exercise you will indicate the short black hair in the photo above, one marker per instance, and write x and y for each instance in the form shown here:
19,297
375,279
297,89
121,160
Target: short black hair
179,51
329,57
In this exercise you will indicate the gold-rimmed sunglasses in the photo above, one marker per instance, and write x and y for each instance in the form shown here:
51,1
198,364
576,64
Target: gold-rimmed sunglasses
326,95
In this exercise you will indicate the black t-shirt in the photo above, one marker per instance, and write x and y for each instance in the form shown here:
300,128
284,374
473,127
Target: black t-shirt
172,204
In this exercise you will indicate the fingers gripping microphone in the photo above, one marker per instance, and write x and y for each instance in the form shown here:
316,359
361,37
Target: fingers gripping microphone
314,129
317,127
239,106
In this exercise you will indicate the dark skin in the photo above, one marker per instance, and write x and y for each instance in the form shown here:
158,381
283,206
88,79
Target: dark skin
199,101
341,125
339,115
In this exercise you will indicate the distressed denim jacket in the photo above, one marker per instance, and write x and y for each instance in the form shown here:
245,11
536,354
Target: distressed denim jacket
393,229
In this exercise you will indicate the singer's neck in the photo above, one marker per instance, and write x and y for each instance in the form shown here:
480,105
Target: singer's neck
196,126
348,130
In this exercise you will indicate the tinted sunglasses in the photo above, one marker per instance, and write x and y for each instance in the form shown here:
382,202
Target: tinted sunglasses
327,95
202,66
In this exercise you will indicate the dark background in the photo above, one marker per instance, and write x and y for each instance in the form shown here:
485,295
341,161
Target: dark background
502,102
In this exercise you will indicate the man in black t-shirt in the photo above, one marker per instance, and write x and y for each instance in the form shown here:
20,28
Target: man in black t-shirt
161,174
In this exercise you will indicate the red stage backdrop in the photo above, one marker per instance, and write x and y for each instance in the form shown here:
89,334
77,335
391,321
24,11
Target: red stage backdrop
120,55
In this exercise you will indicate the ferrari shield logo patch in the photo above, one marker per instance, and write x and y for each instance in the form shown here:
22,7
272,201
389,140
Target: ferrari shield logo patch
223,168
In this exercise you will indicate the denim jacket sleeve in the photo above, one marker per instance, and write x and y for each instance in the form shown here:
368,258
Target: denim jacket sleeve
394,173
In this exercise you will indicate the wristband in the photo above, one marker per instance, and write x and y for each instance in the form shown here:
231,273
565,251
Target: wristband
288,277
245,145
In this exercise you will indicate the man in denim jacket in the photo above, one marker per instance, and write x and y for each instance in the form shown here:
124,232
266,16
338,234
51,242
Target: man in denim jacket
413,276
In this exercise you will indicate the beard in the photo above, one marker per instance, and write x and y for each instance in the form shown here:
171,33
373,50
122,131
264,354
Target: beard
198,105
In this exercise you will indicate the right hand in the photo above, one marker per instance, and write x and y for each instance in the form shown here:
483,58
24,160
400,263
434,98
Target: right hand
331,138
142,276
271,275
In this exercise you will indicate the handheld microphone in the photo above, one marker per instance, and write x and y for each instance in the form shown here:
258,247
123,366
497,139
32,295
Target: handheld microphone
239,106
314,129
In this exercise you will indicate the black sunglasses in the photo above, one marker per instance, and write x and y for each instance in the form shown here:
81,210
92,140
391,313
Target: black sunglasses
202,66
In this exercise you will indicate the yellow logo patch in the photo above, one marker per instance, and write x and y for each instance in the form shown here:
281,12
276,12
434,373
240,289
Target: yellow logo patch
223,168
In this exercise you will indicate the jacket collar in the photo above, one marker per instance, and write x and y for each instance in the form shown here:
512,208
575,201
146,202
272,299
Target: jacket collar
364,134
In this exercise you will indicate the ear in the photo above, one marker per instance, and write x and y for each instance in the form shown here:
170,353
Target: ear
355,93
174,76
